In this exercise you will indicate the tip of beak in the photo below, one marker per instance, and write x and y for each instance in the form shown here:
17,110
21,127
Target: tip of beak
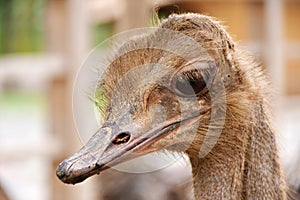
62,171
70,175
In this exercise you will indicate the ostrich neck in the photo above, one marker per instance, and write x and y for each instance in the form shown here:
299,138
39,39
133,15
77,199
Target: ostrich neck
247,167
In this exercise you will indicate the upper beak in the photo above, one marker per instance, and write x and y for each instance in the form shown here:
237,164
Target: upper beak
107,148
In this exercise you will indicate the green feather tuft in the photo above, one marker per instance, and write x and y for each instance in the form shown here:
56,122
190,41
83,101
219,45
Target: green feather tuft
100,100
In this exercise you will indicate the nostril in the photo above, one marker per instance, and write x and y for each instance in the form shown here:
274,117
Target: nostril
121,138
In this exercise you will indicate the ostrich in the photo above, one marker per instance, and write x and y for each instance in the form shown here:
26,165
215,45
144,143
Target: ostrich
242,164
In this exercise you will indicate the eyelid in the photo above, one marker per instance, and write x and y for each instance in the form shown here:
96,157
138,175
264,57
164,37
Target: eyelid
195,64
199,65
197,68
210,66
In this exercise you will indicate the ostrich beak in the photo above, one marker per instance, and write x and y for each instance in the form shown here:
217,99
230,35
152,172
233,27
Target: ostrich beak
85,163
105,149
111,145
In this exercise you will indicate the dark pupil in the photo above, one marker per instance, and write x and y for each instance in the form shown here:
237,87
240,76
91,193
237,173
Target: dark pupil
190,87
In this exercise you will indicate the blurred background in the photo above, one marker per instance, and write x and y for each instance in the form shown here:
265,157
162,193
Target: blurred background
44,42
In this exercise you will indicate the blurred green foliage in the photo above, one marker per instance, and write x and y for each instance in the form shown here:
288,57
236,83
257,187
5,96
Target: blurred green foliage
22,26
101,32
19,100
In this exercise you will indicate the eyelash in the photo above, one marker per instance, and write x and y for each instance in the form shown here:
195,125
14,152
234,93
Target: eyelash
196,74
204,70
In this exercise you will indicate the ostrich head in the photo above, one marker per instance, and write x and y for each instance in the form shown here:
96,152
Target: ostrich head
177,99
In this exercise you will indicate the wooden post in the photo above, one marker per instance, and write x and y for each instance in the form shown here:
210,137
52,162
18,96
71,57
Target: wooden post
67,36
3,195
136,14
274,43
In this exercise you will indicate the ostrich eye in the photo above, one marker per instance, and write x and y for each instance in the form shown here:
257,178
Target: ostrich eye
188,85
194,79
